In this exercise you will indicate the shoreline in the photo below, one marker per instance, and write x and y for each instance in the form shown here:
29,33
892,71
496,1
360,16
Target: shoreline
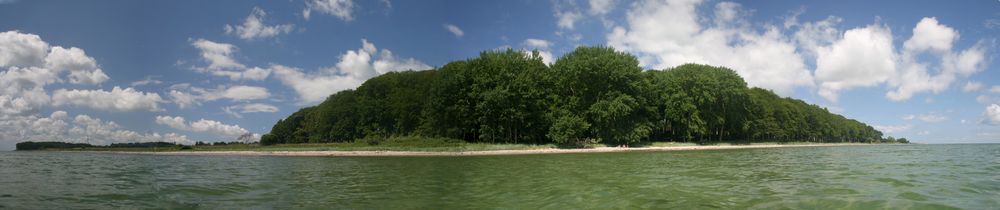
376,153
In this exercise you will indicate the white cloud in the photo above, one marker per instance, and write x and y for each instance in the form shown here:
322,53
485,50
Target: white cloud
239,92
58,126
342,9
864,57
812,35
237,110
82,68
992,115
23,50
566,13
173,122
218,55
909,117
254,28
255,73
854,58
354,67
537,43
600,7
314,87
972,86
256,107
728,42
220,60
183,99
202,126
568,19
931,35
28,64
454,30
146,81
22,89
118,99
184,95
935,40
892,128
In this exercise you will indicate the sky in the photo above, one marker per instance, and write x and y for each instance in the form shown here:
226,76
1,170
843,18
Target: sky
184,71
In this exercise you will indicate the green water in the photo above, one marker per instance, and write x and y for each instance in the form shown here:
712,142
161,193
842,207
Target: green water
852,177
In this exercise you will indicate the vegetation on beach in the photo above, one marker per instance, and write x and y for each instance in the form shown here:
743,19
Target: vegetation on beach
590,95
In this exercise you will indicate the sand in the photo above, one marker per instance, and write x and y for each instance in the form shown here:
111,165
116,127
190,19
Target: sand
478,153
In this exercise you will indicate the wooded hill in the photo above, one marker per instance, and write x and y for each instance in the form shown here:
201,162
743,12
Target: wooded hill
593,94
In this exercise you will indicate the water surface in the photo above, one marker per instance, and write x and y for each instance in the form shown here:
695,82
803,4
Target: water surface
852,177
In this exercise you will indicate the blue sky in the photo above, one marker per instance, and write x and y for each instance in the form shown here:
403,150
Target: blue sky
118,71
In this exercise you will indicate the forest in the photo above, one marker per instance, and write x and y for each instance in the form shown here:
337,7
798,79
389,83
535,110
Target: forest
590,95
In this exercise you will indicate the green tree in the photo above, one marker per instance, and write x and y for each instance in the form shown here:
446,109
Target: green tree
604,86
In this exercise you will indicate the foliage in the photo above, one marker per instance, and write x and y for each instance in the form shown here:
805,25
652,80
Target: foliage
593,94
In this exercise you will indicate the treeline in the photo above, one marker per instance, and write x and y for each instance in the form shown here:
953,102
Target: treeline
593,94
29,145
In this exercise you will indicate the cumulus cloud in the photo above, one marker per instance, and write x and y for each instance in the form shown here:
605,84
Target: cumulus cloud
864,57
724,39
254,28
59,126
220,60
354,67
82,68
844,59
28,64
202,126
992,115
931,35
238,110
342,9
454,30
20,49
118,99
219,56
936,40
184,95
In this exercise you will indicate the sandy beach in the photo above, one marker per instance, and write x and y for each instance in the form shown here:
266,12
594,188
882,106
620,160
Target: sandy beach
477,153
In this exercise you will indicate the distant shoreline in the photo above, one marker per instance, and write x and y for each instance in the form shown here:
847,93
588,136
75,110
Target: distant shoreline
472,153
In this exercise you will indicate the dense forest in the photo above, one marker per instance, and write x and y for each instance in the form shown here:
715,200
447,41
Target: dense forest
591,95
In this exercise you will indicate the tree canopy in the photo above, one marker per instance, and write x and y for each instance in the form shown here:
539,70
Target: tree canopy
593,94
